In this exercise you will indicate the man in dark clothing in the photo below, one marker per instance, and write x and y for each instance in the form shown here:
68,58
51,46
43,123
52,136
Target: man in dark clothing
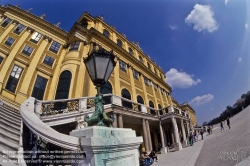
228,122
201,134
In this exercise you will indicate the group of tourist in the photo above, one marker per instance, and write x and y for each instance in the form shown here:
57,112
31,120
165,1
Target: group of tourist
193,136
146,159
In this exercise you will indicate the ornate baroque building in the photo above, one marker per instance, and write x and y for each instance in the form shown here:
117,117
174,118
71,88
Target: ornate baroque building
41,60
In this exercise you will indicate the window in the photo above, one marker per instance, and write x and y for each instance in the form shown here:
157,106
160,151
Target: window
146,81
119,42
62,91
130,51
74,46
1,59
36,37
155,87
151,104
6,22
9,41
27,50
54,47
149,66
106,89
140,59
162,91
135,74
123,66
106,33
126,94
39,88
160,108
48,60
19,29
14,78
155,71
140,100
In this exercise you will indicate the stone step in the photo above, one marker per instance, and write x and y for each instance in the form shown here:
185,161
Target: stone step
10,113
8,145
10,110
8,136
7,124
10,119
10,130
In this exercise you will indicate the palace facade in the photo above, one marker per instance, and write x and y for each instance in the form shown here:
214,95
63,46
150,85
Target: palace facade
41,60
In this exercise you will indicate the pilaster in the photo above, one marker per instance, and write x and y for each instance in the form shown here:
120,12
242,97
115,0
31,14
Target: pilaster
132,82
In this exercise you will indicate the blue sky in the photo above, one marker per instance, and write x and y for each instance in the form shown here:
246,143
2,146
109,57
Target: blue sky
201,45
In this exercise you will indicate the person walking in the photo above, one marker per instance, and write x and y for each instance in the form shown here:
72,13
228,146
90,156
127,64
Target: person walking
228,122
221,125
201,134
191,138
211,129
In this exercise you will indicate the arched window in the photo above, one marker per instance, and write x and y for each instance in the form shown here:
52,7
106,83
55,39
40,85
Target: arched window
126,94
148,66
106,89
155,71
159,107
62,91
119,42
139,100
63,86
106,33
151,104
130,51
140,59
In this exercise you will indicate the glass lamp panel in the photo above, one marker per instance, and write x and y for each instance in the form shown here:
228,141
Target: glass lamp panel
101,63
109,70
91,68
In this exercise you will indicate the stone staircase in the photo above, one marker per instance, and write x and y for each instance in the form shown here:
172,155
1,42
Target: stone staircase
10,125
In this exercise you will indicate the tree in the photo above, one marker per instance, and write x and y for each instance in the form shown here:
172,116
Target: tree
205,123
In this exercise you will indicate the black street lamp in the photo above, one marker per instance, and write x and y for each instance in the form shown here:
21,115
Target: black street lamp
100,64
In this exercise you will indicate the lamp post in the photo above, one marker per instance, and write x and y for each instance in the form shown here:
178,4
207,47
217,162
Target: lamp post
100,64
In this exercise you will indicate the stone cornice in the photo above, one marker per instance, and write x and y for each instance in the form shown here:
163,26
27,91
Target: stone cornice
40,22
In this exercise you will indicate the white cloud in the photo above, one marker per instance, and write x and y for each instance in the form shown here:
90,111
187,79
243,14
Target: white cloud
199,100
240,59
226,1
202,18
246,26
173,27
180,79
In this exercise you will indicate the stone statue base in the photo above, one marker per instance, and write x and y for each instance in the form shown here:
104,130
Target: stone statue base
108,146
178,146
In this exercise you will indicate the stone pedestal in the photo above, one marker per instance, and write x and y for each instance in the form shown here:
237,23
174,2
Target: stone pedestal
108,146
164,150
178,146
185,143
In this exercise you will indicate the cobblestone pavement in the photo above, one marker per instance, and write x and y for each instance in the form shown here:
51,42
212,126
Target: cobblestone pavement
222,148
